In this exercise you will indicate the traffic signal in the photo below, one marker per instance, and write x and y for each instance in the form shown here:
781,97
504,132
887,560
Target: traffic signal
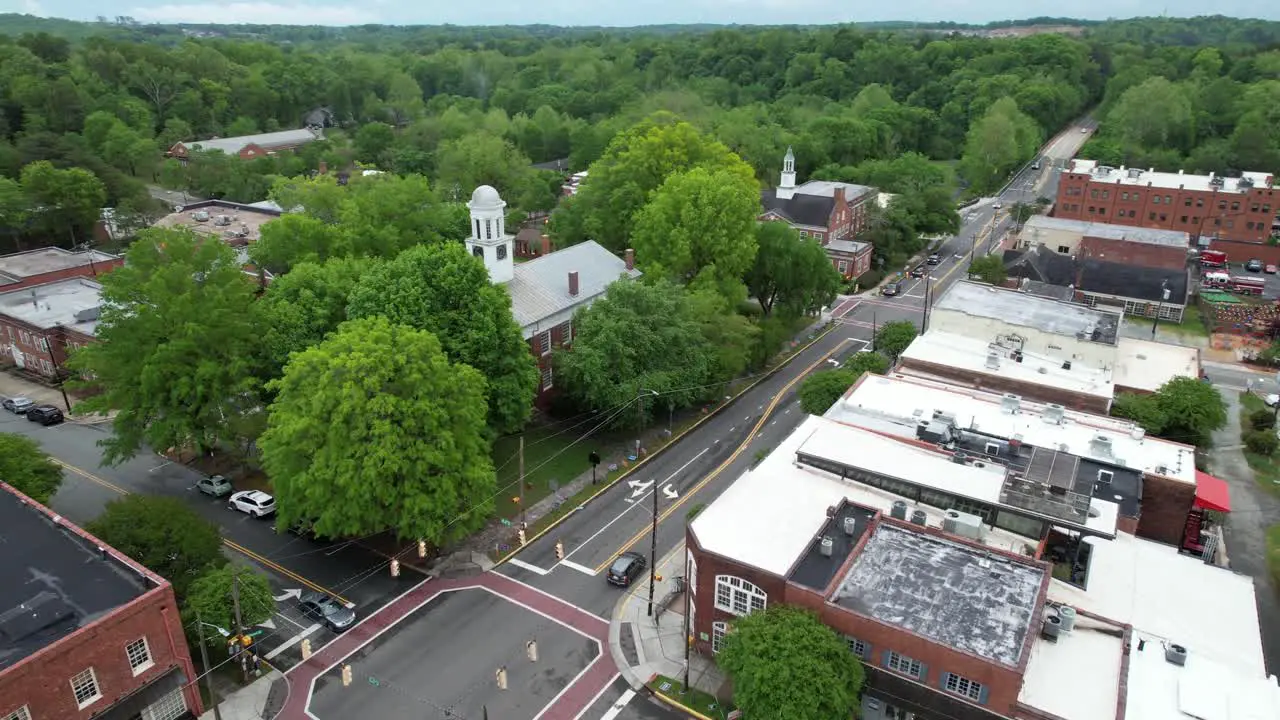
346,676
502,678
521,534
395,568
531,649
559,550
422,548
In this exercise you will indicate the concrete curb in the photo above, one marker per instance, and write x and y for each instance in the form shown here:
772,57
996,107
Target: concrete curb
672,441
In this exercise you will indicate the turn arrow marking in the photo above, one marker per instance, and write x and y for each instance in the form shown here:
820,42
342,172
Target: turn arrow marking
670,492
640,487
292,593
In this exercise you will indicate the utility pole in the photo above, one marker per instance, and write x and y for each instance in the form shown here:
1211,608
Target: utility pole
522,480
208,670
57,372
653,549
235,603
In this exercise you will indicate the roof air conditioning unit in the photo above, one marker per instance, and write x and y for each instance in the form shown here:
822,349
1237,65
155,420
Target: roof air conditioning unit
1068,616
1175,654
899,510
826,547
959,458
1052,628
993,361
1100,445
1054,414
963,524
850,525
919,517
1009,403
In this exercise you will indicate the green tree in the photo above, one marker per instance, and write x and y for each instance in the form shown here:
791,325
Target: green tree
822,389
293,239
700,225
638,337
1262,442
997,143
373,141
1144,410
64,203
795,273
1192,410
731,336
164,535
375,430
893,338
1154,114
483,159
989,269
867,362
210,598
301,308
14,210
446,291
176,338
26,467
785,663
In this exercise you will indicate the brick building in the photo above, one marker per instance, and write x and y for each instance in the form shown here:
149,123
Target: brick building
833,213
546,291
249,147
41,324
963,595
1088,280
36,267
1206,207
88,633
1136,246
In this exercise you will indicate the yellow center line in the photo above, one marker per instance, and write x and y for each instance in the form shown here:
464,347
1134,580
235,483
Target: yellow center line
773,404
233,545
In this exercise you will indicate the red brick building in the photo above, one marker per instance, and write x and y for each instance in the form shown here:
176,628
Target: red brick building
41,324
249,147
833,213
88,632
36,267
1206,207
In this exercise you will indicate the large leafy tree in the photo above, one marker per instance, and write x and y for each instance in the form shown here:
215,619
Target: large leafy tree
638,337
175,351
26,467
785,663
989,269
213,596
822,389
163,534
700,225
299,309
446,291
867,362
997,143
63,203
1184,409
295,239
893,338
789,271
375,430
1154,114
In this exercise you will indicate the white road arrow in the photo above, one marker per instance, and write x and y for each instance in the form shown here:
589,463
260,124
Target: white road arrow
640,487
268,624
288,594
670,492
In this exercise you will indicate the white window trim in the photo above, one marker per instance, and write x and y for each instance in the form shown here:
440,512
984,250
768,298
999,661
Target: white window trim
548,378
904,665
964,687
692,581
22,713
860,648
718,632
169,707
842,266
544,342
97,689
1109,476
739,597
148,661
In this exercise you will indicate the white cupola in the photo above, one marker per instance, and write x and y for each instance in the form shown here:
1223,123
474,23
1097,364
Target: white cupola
787,187
489,240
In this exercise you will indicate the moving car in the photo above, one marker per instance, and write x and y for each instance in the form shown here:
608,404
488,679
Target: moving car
254,502
1270,269
934,259
1084,130
1035,165
45,415
891,289
918,271
1254,265
326,609
216,486
1271,400
18,405
626,568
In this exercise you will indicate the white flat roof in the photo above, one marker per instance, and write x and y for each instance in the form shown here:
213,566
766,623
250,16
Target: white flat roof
968,354
1014,307
1146,365
1141,178
1209,610
1077,677
1202,688
895,404
1086,228
56,304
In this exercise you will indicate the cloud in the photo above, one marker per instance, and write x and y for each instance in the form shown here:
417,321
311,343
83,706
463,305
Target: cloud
32,7
256,13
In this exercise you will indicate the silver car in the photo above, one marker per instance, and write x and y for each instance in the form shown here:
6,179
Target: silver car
18,405
326,609
215,486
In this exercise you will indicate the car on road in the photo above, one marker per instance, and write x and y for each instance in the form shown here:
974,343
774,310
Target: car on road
327,610
45,415
1254,265
1270,269
934,259
891,289
919,271
1084,129
626,569
998,206
1271,400
215,486
1035,165
18,405
253,502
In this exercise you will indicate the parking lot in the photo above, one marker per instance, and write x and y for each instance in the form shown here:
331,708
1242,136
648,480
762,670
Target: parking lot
1272,290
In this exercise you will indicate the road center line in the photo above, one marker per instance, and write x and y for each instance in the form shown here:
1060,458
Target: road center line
291,642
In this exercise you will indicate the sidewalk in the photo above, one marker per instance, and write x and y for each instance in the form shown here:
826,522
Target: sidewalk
248,702
643,647
13,385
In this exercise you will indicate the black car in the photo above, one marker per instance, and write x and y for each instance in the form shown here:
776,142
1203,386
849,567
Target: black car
891,289
626,568
934,259
45,415
918,271
327,609
1254,265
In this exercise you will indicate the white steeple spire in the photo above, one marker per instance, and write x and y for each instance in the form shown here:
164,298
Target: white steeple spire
489,240
787,187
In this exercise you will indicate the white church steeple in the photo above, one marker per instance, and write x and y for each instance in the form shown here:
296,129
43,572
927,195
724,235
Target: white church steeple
489,240
787,188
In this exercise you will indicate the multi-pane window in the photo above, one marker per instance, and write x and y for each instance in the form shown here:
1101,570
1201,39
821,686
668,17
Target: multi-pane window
544,341
546,378
84,685
718,631
903,664
566,332
963,686
735,595
858,647
169,707
139,655
21,713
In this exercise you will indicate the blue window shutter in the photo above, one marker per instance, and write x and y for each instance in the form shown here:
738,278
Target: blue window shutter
942,680
982,695
924,672
884,658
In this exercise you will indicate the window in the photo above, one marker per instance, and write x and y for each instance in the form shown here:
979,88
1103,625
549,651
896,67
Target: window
1124,196
1105,476
904,665
858,647
1093,194
169,707
1235,206
1064,249
1186,203
139,655
84,685
21,713
842,266
1152,216
1106,194
1184,219
1168,199
478,252
1155,199
44,344
1222,204
544,341
963,686
1163,217
718,631
488,229
804,233
735,595
992,449
566,332
546,378
502,252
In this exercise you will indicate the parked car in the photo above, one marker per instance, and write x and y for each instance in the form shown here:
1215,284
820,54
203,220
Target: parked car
626,569
326,609
1035,165
18,405
216,486
252,502
45,415
998,206
919,271
934,259
891,289
1254,265
1271,400
1270,269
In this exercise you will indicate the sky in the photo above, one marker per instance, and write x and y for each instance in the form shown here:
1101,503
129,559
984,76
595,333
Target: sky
619,13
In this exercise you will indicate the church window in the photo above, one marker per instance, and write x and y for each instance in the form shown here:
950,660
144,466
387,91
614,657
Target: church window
488,229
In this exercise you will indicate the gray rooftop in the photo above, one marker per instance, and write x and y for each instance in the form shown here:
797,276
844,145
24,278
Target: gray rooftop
266,141
73,303
52,581
1042,313
1148,236
952,594
18,266
827,188
816,570
852,247
540,287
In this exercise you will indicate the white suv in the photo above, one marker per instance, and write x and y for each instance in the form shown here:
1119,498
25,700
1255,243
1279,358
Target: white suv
253,502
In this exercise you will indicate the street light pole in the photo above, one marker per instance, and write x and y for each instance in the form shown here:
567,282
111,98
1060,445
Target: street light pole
653,549
1164,297
208,669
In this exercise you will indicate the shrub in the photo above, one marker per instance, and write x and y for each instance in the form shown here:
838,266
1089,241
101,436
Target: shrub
1261,442
870,279
1262,419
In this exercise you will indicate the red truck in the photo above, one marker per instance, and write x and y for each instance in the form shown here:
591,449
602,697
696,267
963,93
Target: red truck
1213,259
1247,285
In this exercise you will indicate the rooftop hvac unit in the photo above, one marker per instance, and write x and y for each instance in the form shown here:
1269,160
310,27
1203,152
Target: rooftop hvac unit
919,517
200,216
1175,654
993,361
1054,414
826,547
899,510
1010,403
959,458
1100,445
850,525
944,417
1052,628
1068,616
963,524
222,220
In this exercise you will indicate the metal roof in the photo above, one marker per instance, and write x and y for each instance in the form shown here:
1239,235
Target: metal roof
540,287
233,145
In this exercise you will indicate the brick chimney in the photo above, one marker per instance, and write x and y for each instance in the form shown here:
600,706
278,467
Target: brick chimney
546,245
631,259
573,283
323,168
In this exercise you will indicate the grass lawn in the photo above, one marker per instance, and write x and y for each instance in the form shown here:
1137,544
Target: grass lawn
547,458
1266,471
1192,326
693,699
1273,555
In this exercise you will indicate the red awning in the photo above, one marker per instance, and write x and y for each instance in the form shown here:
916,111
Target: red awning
1212,493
